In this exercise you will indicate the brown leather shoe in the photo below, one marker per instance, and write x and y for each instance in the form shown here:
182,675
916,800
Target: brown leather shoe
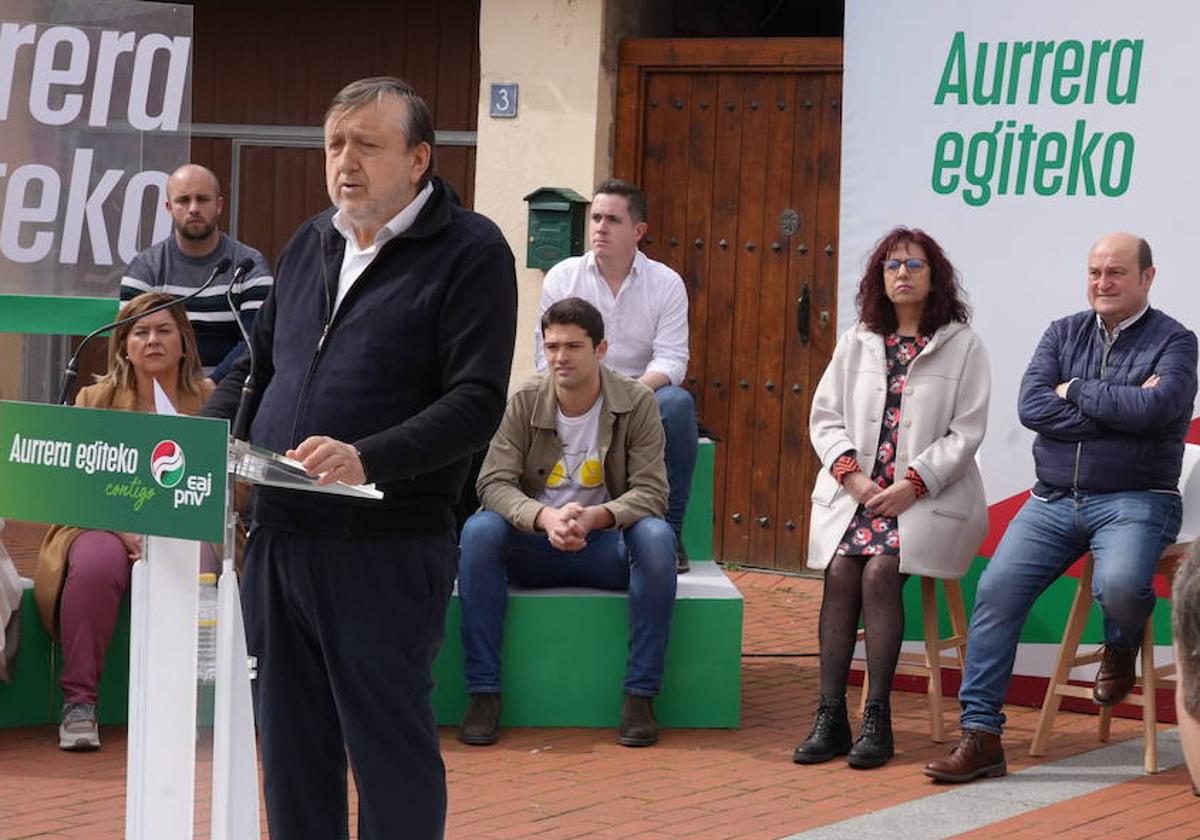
638,727
1115,678
978,754
481,724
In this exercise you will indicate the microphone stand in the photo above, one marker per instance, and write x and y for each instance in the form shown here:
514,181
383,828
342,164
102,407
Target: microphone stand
234,808
72,369
241,421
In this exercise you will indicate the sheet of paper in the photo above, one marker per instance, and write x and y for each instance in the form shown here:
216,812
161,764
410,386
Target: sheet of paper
162,403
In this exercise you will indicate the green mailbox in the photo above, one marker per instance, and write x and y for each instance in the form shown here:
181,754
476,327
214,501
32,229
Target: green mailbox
557,217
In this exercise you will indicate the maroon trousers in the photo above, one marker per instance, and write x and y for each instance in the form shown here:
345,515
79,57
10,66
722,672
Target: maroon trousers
98,574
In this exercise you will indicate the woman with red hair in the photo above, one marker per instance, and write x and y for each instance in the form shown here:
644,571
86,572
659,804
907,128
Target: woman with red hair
896,421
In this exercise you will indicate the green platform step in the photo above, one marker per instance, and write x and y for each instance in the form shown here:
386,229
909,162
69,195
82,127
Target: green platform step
698,518
565,651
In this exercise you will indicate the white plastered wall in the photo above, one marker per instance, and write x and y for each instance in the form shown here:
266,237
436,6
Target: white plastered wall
552,49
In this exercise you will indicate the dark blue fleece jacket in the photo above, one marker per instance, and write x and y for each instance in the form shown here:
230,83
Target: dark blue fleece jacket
1110,433
412,368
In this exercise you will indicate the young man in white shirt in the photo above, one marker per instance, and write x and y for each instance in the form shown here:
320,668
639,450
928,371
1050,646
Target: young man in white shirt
573,489
644,304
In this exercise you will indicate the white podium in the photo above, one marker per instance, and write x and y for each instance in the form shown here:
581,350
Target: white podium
161,761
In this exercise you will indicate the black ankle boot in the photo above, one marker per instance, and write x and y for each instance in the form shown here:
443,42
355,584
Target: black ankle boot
874,746
638,727
830,734
481,724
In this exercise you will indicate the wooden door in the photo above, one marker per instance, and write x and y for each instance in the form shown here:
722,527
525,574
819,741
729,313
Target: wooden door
737,145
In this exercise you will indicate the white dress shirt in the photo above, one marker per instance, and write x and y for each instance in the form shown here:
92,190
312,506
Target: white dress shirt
355,260
1110,337
646,322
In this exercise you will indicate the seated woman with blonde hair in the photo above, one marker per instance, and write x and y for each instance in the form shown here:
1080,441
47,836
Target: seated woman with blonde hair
82,575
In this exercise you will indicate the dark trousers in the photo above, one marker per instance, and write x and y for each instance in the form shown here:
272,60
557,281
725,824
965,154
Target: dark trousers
346,633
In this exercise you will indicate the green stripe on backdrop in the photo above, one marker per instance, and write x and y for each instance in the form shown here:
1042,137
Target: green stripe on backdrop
54,315
1046,620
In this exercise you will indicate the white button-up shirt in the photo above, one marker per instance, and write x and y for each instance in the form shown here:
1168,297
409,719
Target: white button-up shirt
355,260
646,322
1110,337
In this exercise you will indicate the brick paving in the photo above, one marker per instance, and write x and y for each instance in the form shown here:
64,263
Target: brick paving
565,783
1161,806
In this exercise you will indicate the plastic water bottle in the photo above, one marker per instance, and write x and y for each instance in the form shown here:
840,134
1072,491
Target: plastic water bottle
206,659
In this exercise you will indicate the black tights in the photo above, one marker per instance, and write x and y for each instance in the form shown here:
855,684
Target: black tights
871,586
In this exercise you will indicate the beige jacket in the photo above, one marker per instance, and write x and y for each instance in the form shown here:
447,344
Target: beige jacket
943,415
526,447
51,568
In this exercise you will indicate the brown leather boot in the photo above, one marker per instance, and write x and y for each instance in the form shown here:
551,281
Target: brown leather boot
481,724
1115,678
978,754
638,727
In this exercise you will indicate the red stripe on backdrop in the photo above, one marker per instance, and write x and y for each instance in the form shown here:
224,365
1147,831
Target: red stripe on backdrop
999,515
1026,690
1002,512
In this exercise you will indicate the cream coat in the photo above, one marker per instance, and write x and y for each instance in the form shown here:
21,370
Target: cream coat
943,416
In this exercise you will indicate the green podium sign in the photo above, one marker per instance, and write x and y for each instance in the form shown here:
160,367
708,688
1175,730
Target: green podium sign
114,470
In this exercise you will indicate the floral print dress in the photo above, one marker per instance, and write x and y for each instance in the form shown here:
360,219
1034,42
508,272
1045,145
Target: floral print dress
869,533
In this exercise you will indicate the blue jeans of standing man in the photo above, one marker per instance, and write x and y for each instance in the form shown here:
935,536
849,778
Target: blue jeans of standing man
678,411
640,559
1126,533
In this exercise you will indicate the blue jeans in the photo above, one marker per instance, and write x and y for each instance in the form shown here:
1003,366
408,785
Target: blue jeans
1126,533
640,559
678,411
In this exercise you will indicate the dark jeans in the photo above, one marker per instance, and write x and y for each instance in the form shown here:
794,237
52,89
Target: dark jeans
640,559
346,633
678,412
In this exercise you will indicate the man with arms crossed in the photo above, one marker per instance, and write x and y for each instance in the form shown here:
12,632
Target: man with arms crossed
1109,392
183,261
573,488
381,356
645,309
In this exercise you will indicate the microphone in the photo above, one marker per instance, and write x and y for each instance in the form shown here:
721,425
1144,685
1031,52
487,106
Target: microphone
72,369
241,420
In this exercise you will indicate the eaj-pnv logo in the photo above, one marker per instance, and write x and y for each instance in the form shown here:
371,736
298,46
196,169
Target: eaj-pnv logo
167,464
168,467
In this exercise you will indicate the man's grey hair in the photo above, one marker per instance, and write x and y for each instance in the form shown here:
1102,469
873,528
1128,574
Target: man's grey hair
418,119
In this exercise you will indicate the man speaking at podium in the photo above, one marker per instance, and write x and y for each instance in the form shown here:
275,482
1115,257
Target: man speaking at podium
382,355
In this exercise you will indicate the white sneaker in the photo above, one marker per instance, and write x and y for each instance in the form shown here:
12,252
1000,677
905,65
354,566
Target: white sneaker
78,731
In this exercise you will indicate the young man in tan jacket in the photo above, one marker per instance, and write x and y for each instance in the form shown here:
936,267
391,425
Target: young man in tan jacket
573,491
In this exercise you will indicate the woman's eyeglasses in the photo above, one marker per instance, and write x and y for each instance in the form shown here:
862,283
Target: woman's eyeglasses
912,264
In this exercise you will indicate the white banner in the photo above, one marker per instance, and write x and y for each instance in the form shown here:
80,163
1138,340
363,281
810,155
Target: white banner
95,112
1016,134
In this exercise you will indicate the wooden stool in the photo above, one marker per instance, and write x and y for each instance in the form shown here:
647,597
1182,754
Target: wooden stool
1151,679
930,663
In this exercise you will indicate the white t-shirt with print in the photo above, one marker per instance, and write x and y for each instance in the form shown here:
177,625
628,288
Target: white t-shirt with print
578,475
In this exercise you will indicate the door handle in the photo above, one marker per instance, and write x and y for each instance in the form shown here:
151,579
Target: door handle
803,307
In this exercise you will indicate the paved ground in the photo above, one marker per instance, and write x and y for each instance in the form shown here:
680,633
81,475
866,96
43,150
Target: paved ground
564,783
